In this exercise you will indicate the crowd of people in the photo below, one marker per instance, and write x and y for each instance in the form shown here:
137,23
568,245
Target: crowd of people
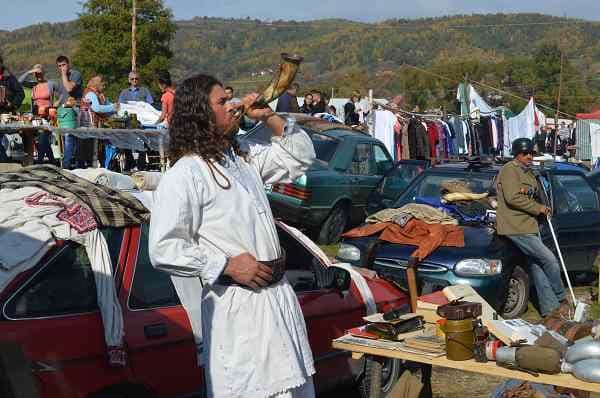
89,100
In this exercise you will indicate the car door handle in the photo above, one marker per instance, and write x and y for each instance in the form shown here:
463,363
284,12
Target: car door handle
155,331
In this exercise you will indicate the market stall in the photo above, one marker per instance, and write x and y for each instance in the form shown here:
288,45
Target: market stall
133,139
464,333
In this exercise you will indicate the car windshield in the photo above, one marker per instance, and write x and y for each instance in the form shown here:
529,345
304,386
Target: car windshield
431,185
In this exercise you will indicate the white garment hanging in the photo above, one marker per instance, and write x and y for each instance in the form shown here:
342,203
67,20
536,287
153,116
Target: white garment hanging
595,140
384,129
101,264
494,133
196,225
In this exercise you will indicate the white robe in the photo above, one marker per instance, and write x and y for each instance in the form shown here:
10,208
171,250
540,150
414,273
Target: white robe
255,343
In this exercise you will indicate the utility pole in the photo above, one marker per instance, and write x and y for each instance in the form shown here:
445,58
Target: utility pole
562,56
133,38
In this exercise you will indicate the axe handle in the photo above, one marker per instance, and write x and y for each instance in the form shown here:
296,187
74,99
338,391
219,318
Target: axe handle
411,278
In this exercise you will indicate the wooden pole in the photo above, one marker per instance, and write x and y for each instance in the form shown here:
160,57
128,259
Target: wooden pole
133,36
558,100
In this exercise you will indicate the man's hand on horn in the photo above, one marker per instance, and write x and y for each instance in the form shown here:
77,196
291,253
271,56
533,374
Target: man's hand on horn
245,270
261,114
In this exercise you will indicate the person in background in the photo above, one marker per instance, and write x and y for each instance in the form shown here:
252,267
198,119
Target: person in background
98,103
517,219
11,97
42,98
69,85
319,105
397,102
167,99
229,94
332,110
351,118
135,91
100,108
288,101
307,105
11,91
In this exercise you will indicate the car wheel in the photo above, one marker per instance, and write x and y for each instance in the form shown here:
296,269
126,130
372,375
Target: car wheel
379,377
334,225
517,298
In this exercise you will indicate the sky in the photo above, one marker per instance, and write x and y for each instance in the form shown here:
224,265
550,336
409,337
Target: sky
29,12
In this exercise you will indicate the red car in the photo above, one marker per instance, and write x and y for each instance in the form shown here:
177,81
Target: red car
52,312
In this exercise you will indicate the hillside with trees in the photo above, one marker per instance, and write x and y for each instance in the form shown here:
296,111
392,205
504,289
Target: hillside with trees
424,58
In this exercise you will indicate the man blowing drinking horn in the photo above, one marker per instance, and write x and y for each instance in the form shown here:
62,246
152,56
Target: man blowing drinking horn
211,220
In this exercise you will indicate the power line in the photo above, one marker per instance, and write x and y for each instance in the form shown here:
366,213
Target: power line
484,85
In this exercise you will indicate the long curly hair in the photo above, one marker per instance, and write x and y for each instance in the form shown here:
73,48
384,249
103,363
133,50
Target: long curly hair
192,129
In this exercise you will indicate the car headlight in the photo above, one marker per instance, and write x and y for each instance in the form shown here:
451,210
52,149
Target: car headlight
478,267
348,252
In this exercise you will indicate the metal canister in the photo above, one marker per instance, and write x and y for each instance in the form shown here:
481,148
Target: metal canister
460,339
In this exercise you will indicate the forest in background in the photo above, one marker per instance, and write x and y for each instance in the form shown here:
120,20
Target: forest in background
507,55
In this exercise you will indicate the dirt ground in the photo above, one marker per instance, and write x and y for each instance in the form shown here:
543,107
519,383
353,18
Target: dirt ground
450,383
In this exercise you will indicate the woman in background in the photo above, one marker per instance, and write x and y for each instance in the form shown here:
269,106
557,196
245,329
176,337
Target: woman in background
95,107
42,99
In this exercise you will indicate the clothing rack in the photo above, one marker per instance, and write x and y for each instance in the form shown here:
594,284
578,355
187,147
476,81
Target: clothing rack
433,116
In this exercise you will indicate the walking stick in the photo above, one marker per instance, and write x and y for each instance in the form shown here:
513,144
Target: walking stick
579,307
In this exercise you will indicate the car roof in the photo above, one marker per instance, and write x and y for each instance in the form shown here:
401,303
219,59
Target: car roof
495,166
318,125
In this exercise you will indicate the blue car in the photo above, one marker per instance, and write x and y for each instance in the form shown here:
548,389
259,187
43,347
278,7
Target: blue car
490,263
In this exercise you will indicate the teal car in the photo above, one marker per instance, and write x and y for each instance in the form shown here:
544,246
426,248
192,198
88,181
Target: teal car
333,194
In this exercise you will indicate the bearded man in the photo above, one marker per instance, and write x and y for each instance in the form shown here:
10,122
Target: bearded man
211,222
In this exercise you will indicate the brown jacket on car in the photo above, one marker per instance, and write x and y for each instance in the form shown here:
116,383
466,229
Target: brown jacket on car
517,208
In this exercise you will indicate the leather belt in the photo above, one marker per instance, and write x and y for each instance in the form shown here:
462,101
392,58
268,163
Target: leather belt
277,265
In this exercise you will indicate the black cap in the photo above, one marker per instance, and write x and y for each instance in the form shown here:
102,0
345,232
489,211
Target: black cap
522,145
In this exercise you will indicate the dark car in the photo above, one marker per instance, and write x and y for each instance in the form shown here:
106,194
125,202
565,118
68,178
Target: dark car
491,264
333,193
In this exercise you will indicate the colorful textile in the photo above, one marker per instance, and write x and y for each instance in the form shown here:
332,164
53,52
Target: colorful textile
111,208
427,237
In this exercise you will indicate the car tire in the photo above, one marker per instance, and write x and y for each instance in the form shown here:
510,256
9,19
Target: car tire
334,225
379,377
517,297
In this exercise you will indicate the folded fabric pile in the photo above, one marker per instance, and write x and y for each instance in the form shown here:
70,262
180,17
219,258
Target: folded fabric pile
111,208
402,215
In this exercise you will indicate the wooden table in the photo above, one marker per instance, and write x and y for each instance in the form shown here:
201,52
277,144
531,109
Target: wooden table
487,368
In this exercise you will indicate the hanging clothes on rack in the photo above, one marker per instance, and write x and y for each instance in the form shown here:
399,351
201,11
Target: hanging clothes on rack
418,140
384,129
433,135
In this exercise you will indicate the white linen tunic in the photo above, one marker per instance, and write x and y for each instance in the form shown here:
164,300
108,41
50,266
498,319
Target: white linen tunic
254,342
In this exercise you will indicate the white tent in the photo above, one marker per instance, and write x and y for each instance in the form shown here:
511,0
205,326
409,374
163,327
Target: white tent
524,125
